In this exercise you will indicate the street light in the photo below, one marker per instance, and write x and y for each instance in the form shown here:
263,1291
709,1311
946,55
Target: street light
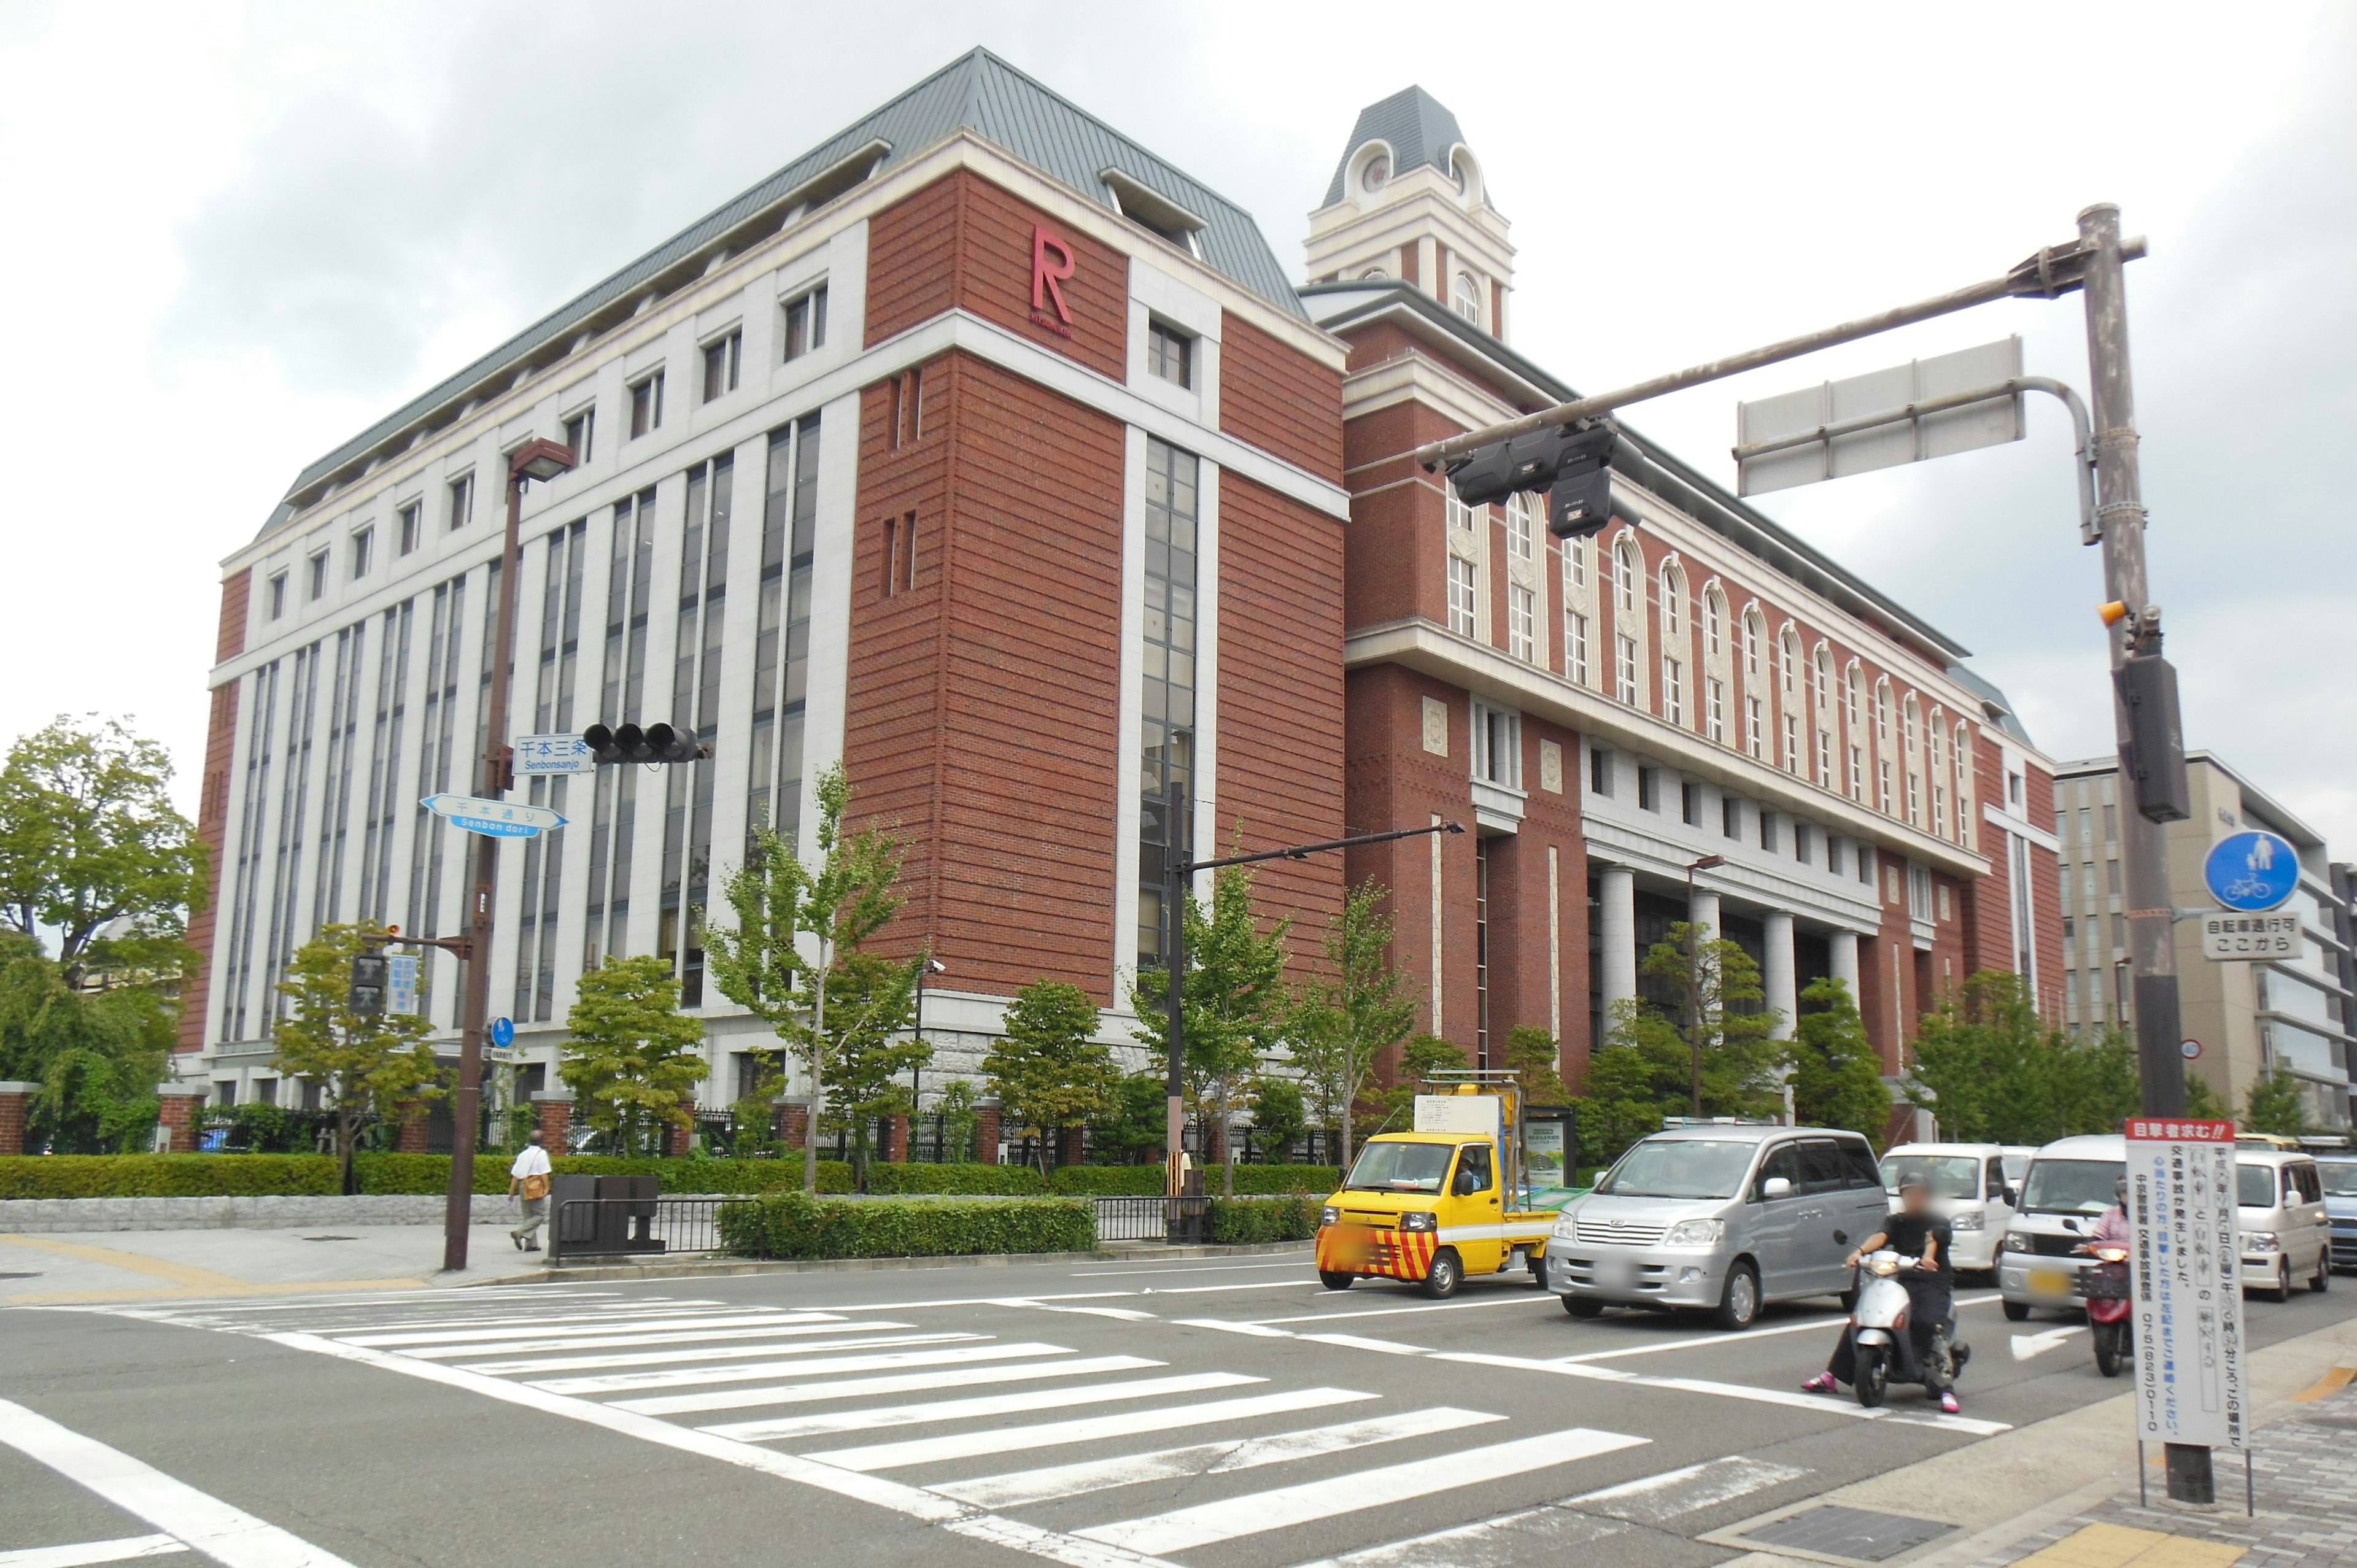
1694,970
932,966
533,460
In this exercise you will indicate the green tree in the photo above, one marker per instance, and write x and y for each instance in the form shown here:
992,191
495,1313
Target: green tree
1344,1022
870,1003
1048,1069
1234,1001
2277,1103
1535,1060
634,1059
778,905
87,838
1279,1116
1836,1072
97,1056
372,1065
959,1121
1649,1062
1992,1070
1135,1128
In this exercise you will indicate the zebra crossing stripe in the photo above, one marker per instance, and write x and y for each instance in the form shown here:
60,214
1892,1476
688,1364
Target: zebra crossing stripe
1207,1524
891,1383
1086,1429
975,1407
120,1550
754,1371
1021,1486
446,1335
604,1315
734,1337
875,1341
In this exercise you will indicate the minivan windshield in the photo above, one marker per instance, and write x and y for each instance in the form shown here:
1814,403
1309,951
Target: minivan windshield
2072,1187
2340,1178
1950,1176
1680,1167
2256,1186
1400,1167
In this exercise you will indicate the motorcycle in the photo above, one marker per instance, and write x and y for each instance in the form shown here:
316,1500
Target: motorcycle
1878,1328
2110,1311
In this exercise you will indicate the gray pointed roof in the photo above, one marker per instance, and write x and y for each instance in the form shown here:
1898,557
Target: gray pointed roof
978,92
1416,127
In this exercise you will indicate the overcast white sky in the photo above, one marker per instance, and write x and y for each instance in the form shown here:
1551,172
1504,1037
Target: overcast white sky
240,232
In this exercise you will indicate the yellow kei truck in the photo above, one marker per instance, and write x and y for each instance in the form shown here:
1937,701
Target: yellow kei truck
1432,1205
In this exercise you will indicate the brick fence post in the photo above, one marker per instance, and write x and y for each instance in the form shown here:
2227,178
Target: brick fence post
178,1114
553,1109
896,1140
15,1099
793,1120
1070,1147
412,1134
681,1137
985,1131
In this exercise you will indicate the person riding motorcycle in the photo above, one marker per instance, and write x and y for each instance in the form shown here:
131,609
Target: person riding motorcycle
1915,1231
2114,1225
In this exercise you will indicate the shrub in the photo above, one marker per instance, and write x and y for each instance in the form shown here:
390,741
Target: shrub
1246,1221
166,1175
794,1225
973,1180
1107,1181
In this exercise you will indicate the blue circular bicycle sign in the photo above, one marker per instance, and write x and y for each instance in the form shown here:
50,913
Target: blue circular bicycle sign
2251,871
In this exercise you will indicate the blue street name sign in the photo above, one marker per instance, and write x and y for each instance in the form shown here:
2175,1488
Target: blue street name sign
2251,871
493,819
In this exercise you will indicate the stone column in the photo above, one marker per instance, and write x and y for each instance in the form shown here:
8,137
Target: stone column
793,1120
1845,964
1703,912
1617,938
178,1115
987,1131
1778,974
15,1099
896,1140
554,1109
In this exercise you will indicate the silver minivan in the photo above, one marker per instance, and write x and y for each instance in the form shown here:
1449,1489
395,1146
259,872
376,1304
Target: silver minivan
1719,1217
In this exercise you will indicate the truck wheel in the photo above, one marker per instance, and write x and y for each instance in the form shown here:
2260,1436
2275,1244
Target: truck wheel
2017,1312
1583,1306
1335,1279
1447,1272
1738,1299
1538,1273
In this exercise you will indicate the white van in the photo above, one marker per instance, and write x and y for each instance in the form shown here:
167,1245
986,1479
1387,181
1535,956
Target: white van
1969,1190
2071,1183
2281,1220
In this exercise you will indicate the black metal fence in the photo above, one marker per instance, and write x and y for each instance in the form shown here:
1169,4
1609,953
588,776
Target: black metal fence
636,1227
1178,1220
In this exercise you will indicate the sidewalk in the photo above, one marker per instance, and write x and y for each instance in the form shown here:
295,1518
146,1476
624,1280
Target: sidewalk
2062,1493
62,1268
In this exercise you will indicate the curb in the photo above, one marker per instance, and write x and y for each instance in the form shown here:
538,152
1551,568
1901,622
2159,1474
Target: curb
714,1267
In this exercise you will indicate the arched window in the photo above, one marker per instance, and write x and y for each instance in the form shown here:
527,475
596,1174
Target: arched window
1674,600
1374,275
1518,526
1963,784
1792,652
1714,619
1624,573
1755,636
1824,684
1908,717
1882,713
1465,298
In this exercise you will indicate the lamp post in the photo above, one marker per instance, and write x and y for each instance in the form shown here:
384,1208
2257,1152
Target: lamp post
533,460
1694,970
932,966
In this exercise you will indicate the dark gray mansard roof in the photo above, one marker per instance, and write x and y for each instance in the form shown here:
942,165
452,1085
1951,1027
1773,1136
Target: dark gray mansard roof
1413,123
977,92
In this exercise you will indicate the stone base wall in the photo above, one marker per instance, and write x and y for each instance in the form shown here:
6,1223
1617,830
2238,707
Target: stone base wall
37,1214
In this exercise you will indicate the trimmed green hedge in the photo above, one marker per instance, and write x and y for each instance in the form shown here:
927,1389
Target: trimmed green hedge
1249,1221
792,1225
971,1180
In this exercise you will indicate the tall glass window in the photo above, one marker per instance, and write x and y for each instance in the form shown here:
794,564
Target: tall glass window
695,681
286,873
343,735
384,763
614,811
782,630
263,696
436,740
1167,732
543,854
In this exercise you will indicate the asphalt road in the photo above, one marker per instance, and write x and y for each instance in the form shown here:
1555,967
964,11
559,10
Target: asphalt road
1213,1413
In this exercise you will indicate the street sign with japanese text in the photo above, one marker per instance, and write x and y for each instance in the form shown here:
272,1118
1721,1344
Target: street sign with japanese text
2250,938
400,983
493,819
552,756
2188,1294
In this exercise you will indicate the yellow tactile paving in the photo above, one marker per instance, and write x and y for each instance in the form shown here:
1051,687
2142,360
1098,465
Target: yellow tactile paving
184,1279
2332,1382
2116,1546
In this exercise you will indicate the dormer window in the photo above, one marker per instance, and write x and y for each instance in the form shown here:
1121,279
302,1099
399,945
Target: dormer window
1456,172
1374,275
1465,298
1377,173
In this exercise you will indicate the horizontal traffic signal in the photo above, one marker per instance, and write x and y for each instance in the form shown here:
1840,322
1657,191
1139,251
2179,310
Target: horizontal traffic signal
625,744
1572,463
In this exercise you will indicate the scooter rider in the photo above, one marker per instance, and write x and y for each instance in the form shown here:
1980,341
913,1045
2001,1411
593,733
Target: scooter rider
1915,1231
2114,1225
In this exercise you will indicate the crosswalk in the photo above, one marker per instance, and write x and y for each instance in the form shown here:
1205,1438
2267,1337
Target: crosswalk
929,1414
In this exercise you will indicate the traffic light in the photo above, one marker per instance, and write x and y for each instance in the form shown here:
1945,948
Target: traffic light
2155,758
366,992
1573,463
626,743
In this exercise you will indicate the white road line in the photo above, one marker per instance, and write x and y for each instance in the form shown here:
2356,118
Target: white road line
1085,1429
891,1383
118,1551
603,1318
446,1336
1181,1269
754,1371
228,1535
1707,1341
1380,1347
1182,1529
1119,1313
1791,1398
2026,1346
1396,1311
912,1501
879,1418
1655,1500
413,1299
1039,1485
737,1337
675,1357
1226,1325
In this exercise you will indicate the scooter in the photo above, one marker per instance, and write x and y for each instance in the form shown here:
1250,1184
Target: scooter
1880,1337
2110,1311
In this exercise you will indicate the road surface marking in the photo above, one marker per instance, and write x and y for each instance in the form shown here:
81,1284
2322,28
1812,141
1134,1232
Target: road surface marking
1084,1429
1023,1486
409,1298
754,1371
1183,1269
1396,1311
1183,1530
119,1550
1792,1397
1703,1342
1380,1347
1656,1499
679,1356
228,1535
1119,1313
603,1318
2025,1346
497,1336
736,1337
892,1383
882,1417
1227,1325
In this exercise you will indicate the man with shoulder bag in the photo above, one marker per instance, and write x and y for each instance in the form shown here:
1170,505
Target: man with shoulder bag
530,1176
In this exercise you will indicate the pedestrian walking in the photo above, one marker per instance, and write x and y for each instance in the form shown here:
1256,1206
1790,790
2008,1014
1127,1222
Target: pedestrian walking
529,1177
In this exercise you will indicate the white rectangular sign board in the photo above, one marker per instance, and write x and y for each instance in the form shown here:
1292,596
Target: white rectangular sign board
2228,936
1481,1114
552,755
2189,1290
1887,398
401,982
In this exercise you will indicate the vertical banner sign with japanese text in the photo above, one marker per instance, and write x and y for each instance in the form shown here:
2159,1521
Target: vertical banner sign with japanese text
2188,1292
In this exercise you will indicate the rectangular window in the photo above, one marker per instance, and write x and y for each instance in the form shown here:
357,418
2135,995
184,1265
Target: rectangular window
1574,562
2086,824
316,582
363,547
1625,677
646,406
277,598
1673,692
899,554
1865,864
1730,818
1768,832
1649,789
1518,526
1167,733
1857,774
1169,354
581,434
720,365
1792,744
1522,622
781,629
806,323
1755,738
1833,855
2112,873
1460,596
2111,823
1717,713
1690,804
1801,842
1497,745
1939,810
1600,772
462,501
1882,785
405,526
1575,639
1914,799
2120,931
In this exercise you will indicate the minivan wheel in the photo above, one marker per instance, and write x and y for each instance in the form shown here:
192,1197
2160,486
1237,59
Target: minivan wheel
2017,1312
1583,1306
1738,1299
1446,1271
2322,1279
2281,1290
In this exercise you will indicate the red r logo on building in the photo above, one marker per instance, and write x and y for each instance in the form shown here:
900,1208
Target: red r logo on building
1051,263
